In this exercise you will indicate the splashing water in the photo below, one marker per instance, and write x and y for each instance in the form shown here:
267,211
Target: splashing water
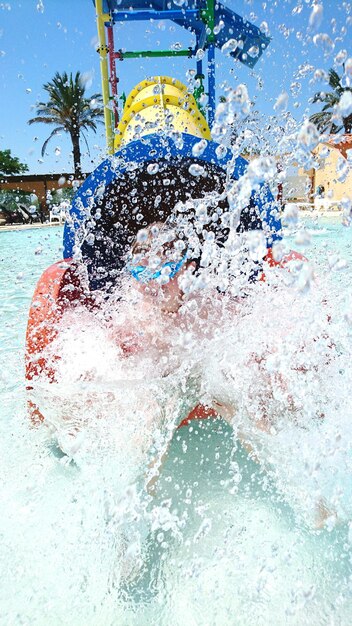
84,531
114,514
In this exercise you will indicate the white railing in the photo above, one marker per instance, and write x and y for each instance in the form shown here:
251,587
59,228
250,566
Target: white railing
319,204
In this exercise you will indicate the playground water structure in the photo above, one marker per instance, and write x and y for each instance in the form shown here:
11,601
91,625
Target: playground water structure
223,534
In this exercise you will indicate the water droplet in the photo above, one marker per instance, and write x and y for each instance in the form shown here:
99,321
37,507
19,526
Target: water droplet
199,148
219,27
93,104
297,10
281,102
265,28
278,251
196,170
316,16
142,235
344,106
90,239
291,214
302,238
342,169
308,136
253,52
221,152
340,57
176,46
230,46
203,530
325,42
152,168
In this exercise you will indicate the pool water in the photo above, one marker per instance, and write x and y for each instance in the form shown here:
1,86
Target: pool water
218,543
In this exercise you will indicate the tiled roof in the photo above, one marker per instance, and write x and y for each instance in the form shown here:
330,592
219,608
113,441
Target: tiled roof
341,143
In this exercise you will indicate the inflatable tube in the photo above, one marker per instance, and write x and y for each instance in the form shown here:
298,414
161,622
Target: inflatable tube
58,287
136,157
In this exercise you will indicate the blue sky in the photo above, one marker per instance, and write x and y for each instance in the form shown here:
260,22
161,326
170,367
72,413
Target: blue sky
40,37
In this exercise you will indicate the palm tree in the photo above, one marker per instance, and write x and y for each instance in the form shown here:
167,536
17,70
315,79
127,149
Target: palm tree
70,111
327,120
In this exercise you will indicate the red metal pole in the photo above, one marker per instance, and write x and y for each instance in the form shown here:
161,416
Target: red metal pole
113,78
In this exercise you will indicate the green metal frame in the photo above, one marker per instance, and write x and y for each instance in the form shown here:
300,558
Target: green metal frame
143,54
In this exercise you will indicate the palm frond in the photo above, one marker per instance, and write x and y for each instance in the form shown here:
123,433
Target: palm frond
43,120
321,120
335,81
86,142
325,120
332,98
54,132
319,97
89,124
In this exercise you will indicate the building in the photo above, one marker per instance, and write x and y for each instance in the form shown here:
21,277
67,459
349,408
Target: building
326,185
39,184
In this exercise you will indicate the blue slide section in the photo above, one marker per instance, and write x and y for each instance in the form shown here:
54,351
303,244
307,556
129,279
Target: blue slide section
156,148
252,41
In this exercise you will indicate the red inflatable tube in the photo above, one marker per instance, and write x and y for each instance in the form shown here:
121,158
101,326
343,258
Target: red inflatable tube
288,258
57,288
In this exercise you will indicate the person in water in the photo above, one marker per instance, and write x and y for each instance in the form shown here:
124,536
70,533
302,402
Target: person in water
175,316
158,284
171,315
200,347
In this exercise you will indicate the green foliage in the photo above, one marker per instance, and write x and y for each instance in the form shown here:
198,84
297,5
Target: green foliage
10,198
326,120
10,165
70,111
61,195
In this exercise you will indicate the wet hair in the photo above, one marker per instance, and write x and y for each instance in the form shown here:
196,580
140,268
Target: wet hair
157,235
136,199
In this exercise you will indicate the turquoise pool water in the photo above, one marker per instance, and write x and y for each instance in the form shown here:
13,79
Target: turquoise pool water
221,545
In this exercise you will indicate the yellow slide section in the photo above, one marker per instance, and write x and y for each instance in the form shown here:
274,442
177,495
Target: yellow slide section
156,104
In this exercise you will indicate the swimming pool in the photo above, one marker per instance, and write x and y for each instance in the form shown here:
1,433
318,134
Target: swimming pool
225,546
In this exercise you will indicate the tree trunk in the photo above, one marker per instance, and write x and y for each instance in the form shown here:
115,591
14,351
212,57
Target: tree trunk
347,123
76,155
